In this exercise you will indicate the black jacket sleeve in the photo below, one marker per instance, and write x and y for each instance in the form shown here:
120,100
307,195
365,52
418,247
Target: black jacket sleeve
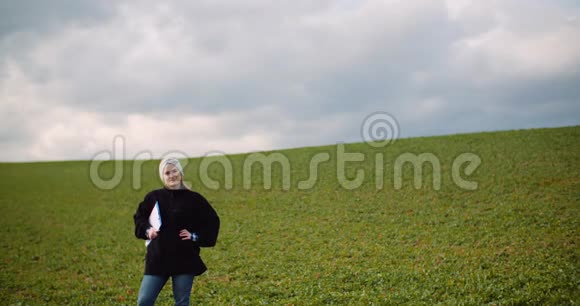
141,217
209,224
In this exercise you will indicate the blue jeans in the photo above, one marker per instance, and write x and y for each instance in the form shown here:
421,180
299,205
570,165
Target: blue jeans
152,285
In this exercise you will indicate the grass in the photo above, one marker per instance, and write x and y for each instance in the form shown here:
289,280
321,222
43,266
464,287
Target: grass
513,240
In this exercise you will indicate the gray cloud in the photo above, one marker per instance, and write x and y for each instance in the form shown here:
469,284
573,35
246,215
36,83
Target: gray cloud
261,74
42,16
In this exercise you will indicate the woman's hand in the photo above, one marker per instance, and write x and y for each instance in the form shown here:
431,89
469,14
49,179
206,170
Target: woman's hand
185,235
152,233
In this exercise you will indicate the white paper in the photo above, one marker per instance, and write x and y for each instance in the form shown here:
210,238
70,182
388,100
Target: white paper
154,220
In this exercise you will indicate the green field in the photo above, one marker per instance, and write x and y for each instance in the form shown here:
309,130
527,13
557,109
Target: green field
513,240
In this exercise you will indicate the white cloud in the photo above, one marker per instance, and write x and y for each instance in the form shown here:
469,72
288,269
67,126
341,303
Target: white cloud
81,135
500,54
515,40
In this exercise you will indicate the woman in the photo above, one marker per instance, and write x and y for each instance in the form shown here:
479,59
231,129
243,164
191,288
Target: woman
187,222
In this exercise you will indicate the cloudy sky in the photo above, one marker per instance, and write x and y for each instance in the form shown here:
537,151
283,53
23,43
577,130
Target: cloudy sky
240,76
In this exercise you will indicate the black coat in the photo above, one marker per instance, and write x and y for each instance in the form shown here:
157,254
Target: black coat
179,209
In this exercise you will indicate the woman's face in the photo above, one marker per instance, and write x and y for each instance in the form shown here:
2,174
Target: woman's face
171,177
